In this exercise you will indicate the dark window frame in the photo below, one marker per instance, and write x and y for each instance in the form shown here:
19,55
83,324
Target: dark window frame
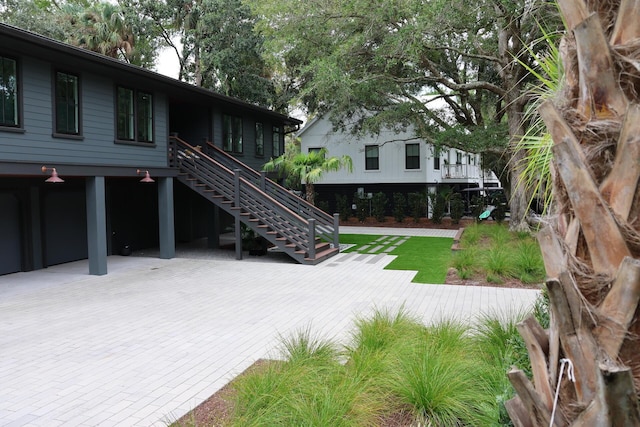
259,128
136,116
77,106
232,134
17,125
276,141
436,163
371,162
411,162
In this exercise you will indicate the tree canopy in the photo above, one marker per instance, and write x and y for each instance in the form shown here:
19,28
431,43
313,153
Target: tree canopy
99,26
385,63
216,46
456,72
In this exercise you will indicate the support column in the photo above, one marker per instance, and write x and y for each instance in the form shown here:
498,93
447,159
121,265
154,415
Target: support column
96,225
166,218
213,226
236,213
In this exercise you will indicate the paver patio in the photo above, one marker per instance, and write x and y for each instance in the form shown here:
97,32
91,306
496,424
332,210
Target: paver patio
146,343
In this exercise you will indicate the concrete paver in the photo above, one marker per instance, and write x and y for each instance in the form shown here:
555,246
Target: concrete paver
154,338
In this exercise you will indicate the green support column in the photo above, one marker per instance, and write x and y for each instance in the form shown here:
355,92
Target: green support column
96,225
166,218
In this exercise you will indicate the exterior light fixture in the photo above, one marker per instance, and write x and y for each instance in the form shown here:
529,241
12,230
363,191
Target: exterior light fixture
54,178
147,178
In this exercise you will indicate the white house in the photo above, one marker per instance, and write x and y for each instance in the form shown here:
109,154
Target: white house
391,163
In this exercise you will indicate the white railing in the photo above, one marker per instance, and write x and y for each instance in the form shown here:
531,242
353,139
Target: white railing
460,172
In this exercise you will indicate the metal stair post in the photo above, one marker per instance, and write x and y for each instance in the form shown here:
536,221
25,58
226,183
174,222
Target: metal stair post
336,230
263,180
312,238
236,201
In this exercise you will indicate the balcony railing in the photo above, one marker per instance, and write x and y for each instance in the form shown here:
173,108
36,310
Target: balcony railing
460,172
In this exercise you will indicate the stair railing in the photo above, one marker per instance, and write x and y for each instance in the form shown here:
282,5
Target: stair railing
244,195
326,225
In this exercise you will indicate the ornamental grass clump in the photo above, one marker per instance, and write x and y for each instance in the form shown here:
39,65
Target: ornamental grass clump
439,375
495,254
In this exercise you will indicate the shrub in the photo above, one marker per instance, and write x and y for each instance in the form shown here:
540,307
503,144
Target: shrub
465,262
499,235
417,205
499,213
471,235
438,376
379,205
399,205
528,264
323,205
501,347
437,207
457,208
541,309
498,261
342,205
477,207
362,207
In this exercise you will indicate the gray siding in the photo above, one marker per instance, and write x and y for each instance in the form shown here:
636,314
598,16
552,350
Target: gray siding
37,144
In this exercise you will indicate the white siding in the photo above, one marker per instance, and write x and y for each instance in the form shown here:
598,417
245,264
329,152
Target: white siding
319,133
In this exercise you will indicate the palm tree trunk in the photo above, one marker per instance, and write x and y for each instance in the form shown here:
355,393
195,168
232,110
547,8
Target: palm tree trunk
591,248
311,194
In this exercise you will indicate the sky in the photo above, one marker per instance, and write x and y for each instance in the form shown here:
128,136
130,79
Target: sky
167,63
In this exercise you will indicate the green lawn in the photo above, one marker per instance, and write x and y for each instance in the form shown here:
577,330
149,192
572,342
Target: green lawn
429,256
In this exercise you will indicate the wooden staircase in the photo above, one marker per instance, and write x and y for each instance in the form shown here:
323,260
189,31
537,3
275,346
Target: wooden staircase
296,227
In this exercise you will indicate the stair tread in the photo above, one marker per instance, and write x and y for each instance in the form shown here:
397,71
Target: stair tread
323,254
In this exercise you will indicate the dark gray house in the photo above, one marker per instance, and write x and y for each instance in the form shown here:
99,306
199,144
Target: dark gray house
101,127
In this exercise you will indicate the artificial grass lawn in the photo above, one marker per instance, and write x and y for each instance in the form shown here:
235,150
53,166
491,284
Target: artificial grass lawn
429,256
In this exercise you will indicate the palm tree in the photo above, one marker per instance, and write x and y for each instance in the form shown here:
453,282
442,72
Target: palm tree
101,28
591,245
309,168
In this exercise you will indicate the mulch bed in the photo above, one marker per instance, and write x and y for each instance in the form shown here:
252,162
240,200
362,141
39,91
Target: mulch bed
408,223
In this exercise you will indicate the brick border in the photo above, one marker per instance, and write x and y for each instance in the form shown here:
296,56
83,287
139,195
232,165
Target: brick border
456,240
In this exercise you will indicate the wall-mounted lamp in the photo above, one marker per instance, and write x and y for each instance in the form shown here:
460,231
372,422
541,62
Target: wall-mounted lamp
54,175
147,177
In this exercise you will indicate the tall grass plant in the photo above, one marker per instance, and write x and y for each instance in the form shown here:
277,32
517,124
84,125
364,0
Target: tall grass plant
445,374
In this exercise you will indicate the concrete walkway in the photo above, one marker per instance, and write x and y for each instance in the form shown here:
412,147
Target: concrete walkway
146,343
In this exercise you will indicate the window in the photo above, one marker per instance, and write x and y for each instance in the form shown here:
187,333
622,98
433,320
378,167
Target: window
276,142
9,113
458,158
134,115
67,105
232,134
412,156
314,149
371,157
259,140
436,163
145,117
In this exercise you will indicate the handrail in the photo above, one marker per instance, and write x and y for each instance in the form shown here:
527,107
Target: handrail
289,224
325,222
